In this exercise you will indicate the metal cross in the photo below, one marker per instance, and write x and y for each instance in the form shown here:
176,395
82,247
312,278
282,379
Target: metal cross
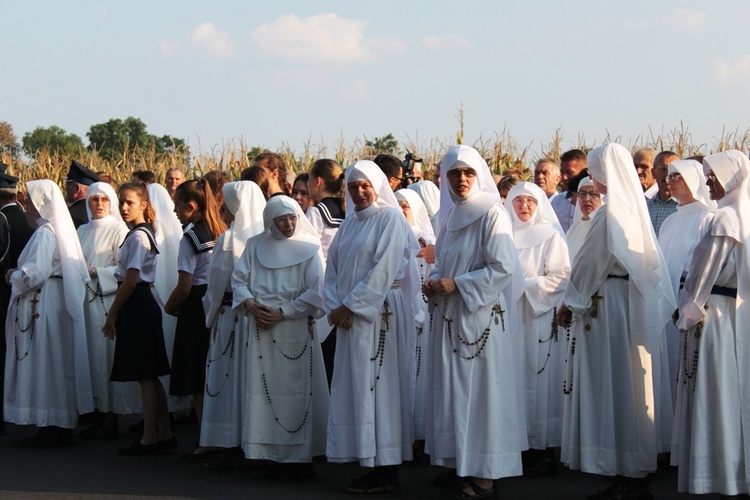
595,304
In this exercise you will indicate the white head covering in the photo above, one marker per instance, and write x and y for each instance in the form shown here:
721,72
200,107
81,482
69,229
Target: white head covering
104,189
49,202
731,170
430,194
542,224
245,200
457,212
692,172
168,234
366,170
276,250
418,210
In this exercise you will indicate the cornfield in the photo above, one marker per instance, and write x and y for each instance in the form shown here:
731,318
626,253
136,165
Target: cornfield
501,151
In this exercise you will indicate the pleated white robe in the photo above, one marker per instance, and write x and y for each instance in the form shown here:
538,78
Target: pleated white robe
709,448
618,415
472,414
286,400
40,378
370,418
226,369
546,269
100,241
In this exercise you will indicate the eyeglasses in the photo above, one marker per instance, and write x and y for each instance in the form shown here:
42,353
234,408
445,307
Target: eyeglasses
528,200
289,219
458,172
588,194
674,177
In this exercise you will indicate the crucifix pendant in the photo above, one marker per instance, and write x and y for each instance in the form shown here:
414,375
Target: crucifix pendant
595,304
496,309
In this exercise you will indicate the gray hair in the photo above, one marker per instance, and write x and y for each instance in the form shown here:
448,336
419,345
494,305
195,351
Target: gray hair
554,167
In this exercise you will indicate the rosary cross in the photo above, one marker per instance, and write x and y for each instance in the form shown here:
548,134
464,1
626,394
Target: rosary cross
387,316
496,309
595,303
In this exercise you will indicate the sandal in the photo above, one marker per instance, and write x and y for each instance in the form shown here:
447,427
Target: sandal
478,493
375,481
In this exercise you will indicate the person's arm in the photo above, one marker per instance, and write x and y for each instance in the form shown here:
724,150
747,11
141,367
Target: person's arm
123,294
544,292
180,293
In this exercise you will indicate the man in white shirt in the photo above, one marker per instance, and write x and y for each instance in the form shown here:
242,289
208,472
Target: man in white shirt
571,164
644,164
547,176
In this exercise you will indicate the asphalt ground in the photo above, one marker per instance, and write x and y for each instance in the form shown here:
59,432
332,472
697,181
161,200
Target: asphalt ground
95,470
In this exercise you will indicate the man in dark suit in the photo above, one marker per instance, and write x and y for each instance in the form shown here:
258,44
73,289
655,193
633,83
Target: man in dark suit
76,186
14,234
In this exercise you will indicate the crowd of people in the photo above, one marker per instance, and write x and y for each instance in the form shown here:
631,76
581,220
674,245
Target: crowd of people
499,326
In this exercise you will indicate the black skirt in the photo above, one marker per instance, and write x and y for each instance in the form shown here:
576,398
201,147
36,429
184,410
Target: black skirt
140,353
191,341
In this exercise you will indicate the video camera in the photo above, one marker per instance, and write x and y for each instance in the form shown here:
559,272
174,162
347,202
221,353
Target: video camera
410,160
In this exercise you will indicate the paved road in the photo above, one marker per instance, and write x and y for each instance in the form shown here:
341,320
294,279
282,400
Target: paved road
90,470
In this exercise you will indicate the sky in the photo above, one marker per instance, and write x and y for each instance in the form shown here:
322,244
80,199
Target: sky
288,72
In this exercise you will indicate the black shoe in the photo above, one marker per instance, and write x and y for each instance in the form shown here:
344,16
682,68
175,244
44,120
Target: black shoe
625,488
207,456
228,459
477,492
47,437
138,448
545,465
270,470
294,473
378,480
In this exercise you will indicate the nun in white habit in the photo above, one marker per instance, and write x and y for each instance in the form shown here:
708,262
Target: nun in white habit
47,380
713,410
416,215
474,412
543,253
225,367
371,281
617,410
278,283
100,241
678,236
588,202
430,194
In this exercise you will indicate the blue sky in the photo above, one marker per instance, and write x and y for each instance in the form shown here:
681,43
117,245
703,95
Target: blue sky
273,72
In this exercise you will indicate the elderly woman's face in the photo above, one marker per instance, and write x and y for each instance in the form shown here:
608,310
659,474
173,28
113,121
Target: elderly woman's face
286,224
524,206
362,193
715,189
588,200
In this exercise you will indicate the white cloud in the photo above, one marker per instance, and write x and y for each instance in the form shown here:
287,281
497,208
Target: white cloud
688,19
320,38
445,42
212,41
737,72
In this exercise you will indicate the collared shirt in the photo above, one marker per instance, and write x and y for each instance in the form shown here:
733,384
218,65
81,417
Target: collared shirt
564,210
660,210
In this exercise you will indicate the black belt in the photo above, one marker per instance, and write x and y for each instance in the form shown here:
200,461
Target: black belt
625,277
724,291
226,300
57,277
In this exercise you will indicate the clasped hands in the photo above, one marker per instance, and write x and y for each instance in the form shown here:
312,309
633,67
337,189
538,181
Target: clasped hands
264,315
441,286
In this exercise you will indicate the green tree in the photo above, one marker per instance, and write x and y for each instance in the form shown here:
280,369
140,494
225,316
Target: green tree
54,138
115,137
8,140
383,145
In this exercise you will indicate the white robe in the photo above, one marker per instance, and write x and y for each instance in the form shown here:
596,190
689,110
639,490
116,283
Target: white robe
40,387
100,241
678,236
226,370
286,400
546,268
604,415
472,415
370,416
709,446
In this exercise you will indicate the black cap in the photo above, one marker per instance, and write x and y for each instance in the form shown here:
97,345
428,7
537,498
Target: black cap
80,174
7,180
